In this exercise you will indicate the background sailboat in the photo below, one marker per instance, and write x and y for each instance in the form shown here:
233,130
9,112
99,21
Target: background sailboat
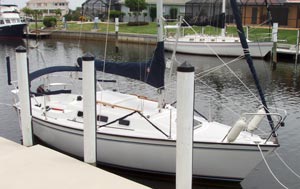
219,45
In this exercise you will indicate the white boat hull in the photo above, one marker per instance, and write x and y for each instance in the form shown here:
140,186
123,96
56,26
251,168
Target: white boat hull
230,49
223,161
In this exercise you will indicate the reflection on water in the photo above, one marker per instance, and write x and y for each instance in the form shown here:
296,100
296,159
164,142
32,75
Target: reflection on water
219,96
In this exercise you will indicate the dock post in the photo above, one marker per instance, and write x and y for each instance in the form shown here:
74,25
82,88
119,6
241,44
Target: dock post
117,33
89,108
24,95
297,49
274,39
185,113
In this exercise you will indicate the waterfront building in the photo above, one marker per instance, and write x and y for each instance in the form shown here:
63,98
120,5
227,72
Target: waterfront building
49,7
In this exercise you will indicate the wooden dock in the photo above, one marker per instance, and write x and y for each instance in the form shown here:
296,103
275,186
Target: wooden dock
39,167
287,51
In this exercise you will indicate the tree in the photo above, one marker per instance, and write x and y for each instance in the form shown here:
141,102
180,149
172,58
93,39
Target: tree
116,14
129,14
74,15
173,13
136,6
27,11
145,14
153,13
57,12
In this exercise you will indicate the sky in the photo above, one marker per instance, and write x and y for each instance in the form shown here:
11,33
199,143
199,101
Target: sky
22,3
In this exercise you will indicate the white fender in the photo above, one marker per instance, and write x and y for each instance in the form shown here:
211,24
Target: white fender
255,121
236,129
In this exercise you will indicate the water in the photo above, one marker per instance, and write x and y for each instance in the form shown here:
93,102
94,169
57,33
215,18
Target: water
281,85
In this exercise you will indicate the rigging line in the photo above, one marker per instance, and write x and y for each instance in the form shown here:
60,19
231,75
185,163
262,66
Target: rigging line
105,46
153,124
239,79
210,70
80,33
207,72
207,44
5,104
227,98
287,165
114,121
237,114
262,155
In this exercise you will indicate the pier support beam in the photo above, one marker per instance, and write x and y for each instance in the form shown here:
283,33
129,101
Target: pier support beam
185,113
89,108
24,95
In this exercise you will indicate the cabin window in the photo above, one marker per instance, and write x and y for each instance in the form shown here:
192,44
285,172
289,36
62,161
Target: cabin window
1,22
212,40
7,21
124,122
102,118
202,39
80,114
191,39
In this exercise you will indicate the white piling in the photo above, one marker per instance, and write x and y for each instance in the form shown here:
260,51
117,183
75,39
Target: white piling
89,108
185,112
274,39
24,95
297,49
117,34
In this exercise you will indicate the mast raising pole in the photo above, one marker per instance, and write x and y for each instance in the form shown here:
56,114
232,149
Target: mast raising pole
248,57
160,41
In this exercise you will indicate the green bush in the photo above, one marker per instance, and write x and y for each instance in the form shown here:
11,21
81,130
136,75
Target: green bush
49,22
116,14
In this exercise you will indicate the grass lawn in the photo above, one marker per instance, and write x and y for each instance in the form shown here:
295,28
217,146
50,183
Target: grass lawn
255,34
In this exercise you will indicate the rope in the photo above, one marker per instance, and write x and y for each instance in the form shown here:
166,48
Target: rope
4,104
262,155
287,165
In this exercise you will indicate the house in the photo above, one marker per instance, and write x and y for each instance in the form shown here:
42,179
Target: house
49,7
99,8
167,6
285,12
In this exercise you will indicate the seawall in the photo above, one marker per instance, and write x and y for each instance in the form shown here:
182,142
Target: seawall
101,36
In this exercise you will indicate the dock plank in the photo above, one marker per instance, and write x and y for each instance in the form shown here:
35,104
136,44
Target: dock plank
39,167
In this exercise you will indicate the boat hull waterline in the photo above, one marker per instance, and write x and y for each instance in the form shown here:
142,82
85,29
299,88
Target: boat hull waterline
230,49
221,161
12,31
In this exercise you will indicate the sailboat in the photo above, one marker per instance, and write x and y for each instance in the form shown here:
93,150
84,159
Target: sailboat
219,45
137,133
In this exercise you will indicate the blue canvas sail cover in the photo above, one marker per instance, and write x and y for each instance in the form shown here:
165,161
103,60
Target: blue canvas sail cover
151,72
